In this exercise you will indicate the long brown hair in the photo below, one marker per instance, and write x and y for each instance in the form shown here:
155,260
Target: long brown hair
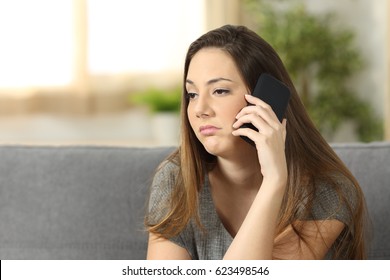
309,157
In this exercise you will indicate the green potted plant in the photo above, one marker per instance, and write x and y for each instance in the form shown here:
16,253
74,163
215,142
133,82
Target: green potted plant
164,106
321,59
158,100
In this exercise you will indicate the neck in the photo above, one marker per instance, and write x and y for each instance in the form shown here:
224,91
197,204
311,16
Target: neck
242,171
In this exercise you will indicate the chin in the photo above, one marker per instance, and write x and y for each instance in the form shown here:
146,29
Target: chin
222,147
212,146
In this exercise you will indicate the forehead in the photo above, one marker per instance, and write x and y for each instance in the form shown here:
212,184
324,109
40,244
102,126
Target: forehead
211,63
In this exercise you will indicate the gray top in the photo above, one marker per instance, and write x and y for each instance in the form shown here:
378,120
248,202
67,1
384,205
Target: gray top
215,240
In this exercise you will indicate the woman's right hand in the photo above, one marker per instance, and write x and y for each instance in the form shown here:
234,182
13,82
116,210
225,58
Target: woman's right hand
269,139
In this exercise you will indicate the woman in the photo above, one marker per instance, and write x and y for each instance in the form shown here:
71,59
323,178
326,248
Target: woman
217,197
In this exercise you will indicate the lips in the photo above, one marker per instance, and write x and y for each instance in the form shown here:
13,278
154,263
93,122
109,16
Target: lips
208,130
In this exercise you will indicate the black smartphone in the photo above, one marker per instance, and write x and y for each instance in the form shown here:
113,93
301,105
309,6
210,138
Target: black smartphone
274,93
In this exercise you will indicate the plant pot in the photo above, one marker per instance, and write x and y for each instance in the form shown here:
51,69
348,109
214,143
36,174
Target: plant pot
166,128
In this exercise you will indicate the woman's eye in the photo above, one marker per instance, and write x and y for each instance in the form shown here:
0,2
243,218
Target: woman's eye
191,95
221,91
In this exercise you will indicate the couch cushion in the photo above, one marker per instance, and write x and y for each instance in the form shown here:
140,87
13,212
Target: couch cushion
74,202
88,202
370,163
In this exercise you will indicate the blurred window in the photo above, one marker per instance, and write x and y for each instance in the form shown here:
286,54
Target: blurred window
36,43
39,46
141,36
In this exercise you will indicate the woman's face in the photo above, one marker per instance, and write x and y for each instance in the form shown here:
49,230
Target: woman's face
216,94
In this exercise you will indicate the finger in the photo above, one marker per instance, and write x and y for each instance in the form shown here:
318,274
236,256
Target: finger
254,119
266,113
284,124
255,109
256,101
248,132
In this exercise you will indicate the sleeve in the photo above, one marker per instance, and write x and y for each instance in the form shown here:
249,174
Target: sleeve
161,190
335,202
160,199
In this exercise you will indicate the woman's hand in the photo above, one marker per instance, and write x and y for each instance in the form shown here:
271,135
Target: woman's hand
269,140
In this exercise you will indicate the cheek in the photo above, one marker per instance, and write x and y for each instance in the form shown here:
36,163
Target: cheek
235,109
190,116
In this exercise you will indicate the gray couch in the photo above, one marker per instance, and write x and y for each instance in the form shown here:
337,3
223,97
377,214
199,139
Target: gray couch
88,202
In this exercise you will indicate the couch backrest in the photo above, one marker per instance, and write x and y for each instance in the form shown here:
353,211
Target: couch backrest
74,202
89,202
370,163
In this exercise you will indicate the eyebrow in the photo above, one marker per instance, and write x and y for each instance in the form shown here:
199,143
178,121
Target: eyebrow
212,81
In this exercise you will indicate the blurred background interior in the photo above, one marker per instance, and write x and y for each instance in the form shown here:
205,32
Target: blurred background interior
109,72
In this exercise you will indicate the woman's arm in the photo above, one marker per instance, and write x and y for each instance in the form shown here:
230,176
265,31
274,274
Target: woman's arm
256,236
319,237
163,249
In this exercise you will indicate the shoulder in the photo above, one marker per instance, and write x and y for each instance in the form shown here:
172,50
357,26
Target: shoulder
335,197
337,186
164,179
167,171
162,186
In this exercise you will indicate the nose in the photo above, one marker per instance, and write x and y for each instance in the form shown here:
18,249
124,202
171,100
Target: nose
202,107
